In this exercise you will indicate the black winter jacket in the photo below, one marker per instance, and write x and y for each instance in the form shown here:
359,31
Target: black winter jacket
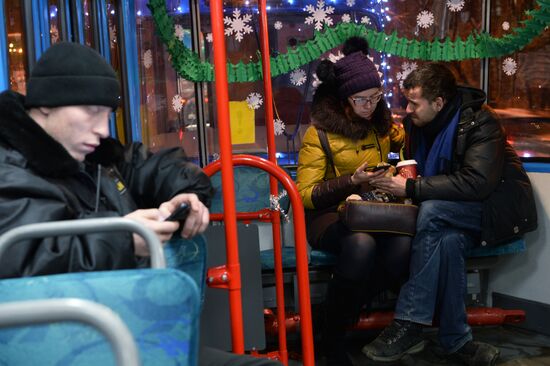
40,182
484,168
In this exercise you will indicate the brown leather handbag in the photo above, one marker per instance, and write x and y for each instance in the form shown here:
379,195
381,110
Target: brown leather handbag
379,217
373,216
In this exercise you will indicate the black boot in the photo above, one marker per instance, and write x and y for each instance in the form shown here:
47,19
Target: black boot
342,308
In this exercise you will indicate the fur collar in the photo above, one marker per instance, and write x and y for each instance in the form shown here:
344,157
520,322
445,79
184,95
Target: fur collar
328,114
20,132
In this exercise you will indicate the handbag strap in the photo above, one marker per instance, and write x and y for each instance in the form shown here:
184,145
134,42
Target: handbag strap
326,148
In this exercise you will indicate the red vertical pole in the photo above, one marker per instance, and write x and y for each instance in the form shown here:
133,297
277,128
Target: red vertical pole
228,188
271,150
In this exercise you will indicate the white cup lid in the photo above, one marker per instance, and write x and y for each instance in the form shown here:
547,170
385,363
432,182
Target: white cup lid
406,162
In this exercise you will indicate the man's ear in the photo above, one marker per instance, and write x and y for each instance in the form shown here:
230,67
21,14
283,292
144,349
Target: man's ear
439,103
45,110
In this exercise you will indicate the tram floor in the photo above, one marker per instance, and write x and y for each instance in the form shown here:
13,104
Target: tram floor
517,348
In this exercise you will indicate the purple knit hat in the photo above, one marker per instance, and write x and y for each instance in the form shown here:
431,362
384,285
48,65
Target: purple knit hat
355,73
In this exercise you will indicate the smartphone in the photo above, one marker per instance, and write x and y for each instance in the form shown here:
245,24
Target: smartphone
179,214
377,168
381,167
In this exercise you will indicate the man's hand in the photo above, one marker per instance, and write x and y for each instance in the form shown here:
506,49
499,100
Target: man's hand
395,185
152,219
198,218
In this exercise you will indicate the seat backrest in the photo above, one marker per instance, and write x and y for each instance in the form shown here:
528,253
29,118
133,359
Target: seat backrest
251,190
160,307
100,317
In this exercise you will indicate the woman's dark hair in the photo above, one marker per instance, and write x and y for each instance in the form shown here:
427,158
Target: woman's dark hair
325,72
435,79
381,117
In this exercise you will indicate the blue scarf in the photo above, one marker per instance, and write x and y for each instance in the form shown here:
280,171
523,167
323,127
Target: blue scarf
438,159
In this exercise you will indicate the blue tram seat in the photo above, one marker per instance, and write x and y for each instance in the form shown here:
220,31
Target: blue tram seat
160,307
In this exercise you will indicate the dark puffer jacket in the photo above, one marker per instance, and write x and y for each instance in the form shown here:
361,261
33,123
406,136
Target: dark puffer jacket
40,182
484,168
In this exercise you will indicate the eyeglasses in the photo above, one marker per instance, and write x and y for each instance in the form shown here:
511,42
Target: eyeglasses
362,101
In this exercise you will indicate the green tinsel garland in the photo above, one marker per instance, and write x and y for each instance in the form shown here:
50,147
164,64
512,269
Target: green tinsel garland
188,65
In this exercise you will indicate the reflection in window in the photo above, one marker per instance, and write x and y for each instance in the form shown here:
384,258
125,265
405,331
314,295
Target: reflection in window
114,34
55,21
519,85
17,51
88,22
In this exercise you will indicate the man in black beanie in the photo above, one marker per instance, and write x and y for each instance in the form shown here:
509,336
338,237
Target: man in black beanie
57,163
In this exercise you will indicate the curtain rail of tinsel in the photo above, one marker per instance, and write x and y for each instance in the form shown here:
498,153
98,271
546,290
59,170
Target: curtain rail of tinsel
477,45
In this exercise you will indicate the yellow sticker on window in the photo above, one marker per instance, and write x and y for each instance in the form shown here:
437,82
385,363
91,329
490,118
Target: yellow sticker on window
242,123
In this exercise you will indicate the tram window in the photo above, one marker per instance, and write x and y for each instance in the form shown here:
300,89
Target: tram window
168,107
519,91
17,50
88,22
168,103
55,21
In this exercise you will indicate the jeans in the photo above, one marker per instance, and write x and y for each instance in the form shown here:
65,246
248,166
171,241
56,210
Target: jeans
436,288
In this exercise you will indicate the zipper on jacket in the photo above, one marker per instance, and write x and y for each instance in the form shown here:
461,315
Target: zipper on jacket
379,147
98,188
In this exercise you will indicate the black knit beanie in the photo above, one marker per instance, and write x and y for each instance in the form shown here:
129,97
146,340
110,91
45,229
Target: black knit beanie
72,74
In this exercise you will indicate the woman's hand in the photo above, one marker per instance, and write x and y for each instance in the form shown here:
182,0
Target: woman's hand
361,176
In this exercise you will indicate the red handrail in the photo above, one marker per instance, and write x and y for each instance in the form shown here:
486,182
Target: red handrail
299,240
271,149
233,282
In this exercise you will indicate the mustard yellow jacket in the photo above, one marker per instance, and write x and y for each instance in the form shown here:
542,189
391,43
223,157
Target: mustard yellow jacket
348,155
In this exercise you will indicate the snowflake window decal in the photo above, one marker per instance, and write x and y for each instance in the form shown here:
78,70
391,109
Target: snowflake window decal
319,15
278,25
406,68
455,5
298,77
279,127
179,32
237,25
350,3
147,59
254,100
505,26
177,103
365,20
425,19
509,66
209,38
346,18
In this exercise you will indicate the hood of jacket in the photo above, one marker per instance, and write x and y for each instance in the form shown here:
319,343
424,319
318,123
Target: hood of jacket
328,114
471,98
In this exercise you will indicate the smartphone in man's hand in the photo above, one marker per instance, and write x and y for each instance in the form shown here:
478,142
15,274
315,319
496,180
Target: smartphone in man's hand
180,213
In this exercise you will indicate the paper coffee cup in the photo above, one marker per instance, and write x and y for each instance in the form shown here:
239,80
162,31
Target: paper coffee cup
407,168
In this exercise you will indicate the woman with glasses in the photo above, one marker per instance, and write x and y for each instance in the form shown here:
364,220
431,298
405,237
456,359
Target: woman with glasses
352,120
